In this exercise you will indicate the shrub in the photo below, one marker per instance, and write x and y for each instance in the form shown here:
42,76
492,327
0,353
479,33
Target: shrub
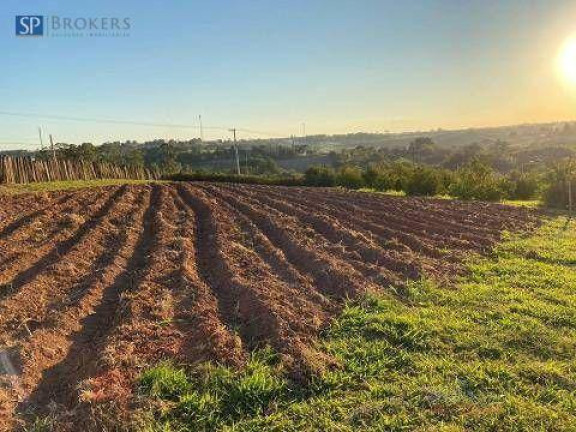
555,193
478,181
264,166
350,177
384,182
377,178
445,180
319,176
280,180
522,186
370,177
423,181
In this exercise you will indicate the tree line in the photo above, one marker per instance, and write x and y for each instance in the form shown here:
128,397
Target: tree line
493,170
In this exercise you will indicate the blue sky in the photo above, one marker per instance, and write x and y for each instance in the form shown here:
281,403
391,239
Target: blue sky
340,66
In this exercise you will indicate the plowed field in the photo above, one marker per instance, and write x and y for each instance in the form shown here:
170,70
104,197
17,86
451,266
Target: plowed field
97,283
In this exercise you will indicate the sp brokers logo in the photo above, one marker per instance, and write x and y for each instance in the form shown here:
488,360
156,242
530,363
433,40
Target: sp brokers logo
29,25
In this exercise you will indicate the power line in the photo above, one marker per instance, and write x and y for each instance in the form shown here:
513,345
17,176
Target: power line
198,126
272,134
19,143
101,120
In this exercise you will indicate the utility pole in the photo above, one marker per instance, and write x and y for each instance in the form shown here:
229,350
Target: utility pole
52,147
236,152
293,145
40,135
201,128
570,188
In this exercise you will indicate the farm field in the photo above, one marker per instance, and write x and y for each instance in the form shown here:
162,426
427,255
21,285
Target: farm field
97,285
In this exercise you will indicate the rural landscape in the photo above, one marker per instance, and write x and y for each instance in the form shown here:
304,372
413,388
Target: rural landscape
336,216
98,283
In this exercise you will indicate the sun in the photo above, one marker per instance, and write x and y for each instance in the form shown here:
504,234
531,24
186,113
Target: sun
567,61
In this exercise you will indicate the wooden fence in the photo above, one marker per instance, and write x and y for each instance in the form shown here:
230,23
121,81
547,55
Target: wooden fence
28,170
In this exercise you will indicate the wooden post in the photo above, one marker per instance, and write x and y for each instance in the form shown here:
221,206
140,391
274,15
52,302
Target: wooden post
569,188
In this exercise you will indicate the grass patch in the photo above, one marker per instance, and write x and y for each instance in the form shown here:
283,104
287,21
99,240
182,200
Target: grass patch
63,185
524,203
215,396
494,353
387,192
534,203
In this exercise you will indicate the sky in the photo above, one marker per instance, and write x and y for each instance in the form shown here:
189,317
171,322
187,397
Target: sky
267,67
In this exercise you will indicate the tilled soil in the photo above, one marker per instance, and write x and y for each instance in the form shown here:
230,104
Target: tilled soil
97,284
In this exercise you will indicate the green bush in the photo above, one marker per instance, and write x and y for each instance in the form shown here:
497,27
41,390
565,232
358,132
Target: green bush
279,180
555,193
522,186
377,178
399,174
370,177
350,177
478,181
319,176
262,165
423,181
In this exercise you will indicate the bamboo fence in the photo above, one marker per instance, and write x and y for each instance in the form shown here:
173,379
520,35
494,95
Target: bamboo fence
14,170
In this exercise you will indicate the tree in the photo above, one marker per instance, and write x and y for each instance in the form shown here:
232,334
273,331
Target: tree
319,176
350,177
87,152
417,146
264,166
168,163
423,181
557,189
478,181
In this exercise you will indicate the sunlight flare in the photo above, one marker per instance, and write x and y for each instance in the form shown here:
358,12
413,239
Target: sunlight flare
567,61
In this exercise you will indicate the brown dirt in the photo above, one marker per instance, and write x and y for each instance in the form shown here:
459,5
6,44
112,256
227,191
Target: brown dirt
97,284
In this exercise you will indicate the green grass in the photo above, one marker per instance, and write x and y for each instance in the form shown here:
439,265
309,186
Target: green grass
494,353
387,192
533,203
62,185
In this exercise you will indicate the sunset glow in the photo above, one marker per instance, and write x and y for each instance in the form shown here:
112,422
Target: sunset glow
567,61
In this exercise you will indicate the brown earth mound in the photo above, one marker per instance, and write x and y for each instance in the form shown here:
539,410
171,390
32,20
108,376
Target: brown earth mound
96,284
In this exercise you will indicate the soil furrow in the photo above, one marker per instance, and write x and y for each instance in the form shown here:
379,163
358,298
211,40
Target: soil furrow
60,383
273,256
52,225
47,337
62,247
475,217
27,245
32,206
103,283
358,243
417,232
265,309
332,277
64,283
401,218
